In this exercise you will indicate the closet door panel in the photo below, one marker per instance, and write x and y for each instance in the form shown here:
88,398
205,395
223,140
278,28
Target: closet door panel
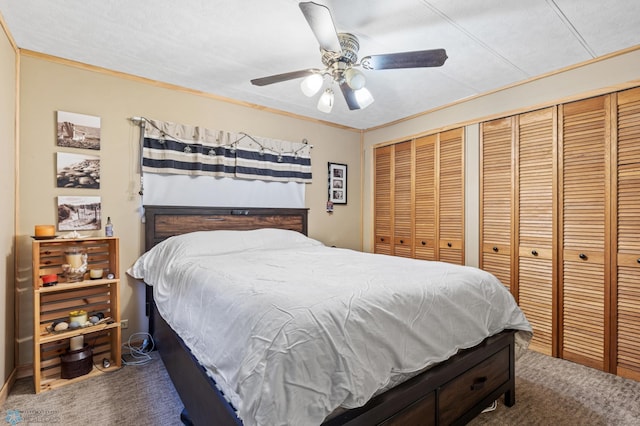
628,325
585,147
535,199
496,187
583,328
382,202
402,201
534,294
628,235
451,196
425,198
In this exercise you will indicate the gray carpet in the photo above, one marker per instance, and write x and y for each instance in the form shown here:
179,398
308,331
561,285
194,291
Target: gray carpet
133,395
549,391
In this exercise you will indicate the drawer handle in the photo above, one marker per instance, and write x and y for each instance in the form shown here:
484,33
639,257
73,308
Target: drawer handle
534,252
401,241
424,243
495,248
639,260
381,239
582,256
448,244
478,383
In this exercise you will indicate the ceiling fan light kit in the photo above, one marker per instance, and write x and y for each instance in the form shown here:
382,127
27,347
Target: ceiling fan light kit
340,57
364,97
325,103
312,84
355,79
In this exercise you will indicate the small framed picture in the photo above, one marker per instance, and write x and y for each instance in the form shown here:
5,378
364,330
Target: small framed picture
338,183
77,171
79,213
78,130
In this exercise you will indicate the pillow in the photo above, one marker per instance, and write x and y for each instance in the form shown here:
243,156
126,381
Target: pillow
227,241
211,243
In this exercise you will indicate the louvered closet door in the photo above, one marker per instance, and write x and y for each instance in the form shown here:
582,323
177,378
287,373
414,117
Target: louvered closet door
628,235
584,223
402,201
451,197
425,198
535,199
496,195
382,200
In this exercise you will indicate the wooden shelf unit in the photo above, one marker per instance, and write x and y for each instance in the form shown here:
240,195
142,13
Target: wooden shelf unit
55,302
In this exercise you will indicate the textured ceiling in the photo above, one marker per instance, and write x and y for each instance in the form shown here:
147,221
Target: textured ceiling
218,46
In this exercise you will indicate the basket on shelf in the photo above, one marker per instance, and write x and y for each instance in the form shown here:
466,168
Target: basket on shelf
76,363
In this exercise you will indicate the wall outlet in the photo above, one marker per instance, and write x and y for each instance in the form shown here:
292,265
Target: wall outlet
124,323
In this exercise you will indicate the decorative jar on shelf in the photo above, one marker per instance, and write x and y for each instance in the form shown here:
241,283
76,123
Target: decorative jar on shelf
76,265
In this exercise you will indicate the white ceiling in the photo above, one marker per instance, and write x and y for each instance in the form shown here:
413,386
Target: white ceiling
218,46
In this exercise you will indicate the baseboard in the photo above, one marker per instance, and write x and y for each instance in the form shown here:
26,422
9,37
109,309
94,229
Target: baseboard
25,370
6,387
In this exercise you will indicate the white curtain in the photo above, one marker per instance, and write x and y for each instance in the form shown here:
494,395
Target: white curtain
181,190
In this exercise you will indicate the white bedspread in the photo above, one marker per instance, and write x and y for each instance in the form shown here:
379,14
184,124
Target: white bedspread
292,329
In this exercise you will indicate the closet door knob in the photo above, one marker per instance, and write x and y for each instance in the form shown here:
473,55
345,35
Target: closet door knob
534,252
639,260
401,241
424,243
582,256
381,239
448,244
495,248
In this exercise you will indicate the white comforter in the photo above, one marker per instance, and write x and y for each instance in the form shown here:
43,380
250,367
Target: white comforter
292,329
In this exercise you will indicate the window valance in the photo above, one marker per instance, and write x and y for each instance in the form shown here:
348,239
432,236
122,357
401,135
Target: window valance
171,148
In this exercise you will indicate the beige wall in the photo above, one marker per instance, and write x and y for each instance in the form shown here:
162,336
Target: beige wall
48,86
620,71
8,82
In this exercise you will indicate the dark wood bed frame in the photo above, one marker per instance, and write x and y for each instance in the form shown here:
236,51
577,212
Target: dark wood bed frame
452,392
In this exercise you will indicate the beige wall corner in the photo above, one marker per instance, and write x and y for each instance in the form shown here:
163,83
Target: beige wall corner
9,64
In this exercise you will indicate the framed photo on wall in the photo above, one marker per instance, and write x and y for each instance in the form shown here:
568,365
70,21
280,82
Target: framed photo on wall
78,130
337,183
77,171
79,213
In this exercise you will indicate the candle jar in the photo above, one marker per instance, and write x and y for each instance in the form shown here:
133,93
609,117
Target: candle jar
79,316
76,265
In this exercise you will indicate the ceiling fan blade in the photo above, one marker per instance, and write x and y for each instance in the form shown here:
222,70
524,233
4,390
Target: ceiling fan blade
349,96
277,78
321,23
417,59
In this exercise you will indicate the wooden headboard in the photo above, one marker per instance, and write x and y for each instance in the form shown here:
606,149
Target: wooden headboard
162,222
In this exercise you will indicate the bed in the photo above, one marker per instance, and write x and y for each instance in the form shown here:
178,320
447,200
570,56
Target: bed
343,383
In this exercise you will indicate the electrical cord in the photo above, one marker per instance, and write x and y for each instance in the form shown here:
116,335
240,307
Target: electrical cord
492,407
139,354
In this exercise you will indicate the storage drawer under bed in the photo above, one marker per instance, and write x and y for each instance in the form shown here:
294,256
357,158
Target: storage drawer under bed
460,394
457,396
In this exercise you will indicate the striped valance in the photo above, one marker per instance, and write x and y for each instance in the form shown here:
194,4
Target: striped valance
171,148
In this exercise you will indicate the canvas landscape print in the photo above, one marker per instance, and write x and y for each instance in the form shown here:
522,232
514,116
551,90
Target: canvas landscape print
79,213
77,171
78,130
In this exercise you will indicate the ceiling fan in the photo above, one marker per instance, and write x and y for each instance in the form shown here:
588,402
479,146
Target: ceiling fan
340,58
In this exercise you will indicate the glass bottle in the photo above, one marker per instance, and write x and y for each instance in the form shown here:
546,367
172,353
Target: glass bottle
108,229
